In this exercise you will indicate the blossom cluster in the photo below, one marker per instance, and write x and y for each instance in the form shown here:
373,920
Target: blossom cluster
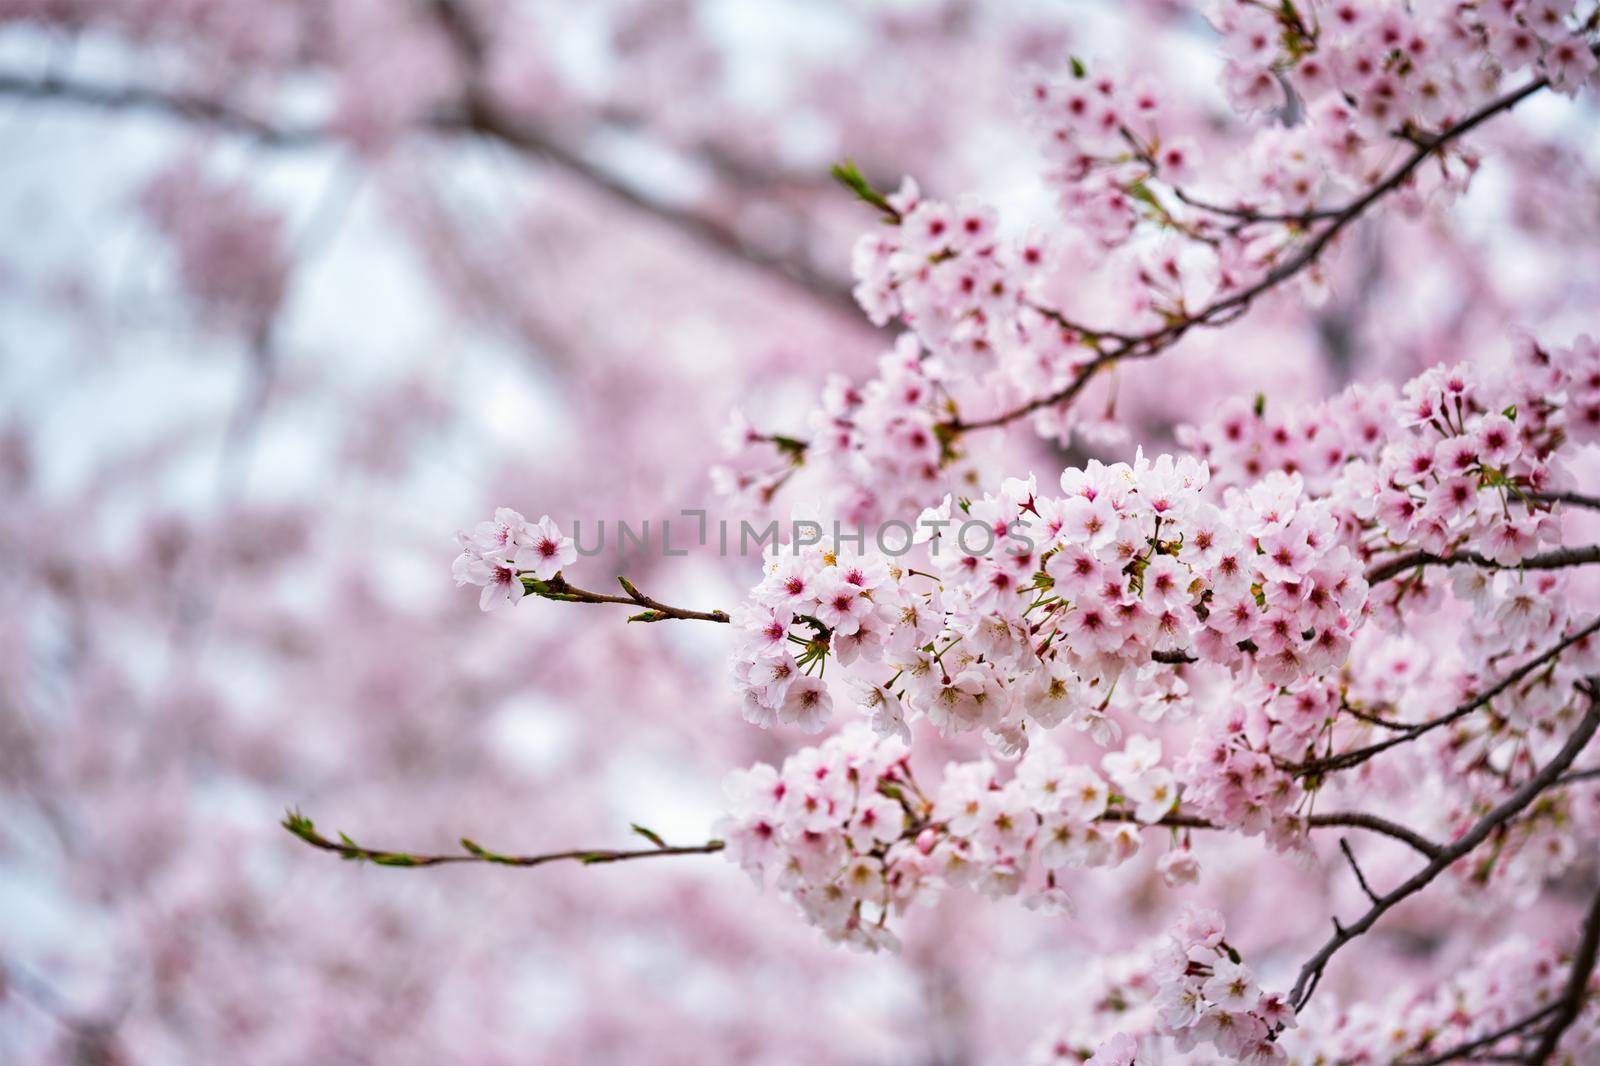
1368,79
1069,603
1363,67
1206,995
1454,463
1234,774
1511,982
978,306
1371,81
1193,989
1189,991
881,445
846,831
498,553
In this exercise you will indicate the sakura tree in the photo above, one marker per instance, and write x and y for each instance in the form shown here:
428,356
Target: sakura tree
1188,534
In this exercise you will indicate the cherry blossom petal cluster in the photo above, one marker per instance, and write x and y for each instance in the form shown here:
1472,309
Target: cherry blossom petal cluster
847,832
496,555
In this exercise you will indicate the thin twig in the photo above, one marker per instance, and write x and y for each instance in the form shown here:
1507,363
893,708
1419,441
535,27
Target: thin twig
1571,499
1361,878
557,588
471,852
170,104
1464,1051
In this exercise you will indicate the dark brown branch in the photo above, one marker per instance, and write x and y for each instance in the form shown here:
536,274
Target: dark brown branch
1250,215
1552,560
557,588
1465,1052
1346,819
1371,822
346,848
1571,499
1580,776
1361,878
1311,973
1347,759
1372,719
1577,988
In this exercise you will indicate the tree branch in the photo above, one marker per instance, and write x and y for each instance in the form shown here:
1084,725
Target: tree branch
1464,1052
557,588
1361,878
1577,987
1571,499
1552,560
1348,819
1345,760
344,847
181,106
1311,973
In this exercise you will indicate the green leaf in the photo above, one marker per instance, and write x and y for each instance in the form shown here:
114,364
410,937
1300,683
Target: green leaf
298,824
846,173
793,447
1078,69
394,860
1141,192
649,834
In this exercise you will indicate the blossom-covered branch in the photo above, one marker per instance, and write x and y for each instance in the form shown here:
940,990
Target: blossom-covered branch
1348,759
1227,308
1310,974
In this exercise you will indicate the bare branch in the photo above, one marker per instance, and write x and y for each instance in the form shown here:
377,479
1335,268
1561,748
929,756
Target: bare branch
346,848
1571,499
1361,878
557,588
1553,560
181,106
